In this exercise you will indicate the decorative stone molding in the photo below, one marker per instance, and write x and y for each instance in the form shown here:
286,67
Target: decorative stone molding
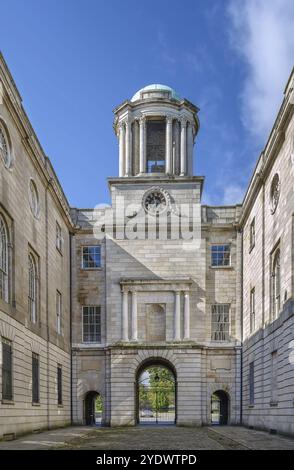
35,347
7,331
89,382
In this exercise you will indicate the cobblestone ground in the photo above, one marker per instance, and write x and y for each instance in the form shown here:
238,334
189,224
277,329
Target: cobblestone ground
152,438
168,438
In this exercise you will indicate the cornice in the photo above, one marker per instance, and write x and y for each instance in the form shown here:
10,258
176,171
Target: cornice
271,150
13,102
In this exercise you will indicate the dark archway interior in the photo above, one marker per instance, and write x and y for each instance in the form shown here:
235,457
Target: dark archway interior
93,409
156,394
219,407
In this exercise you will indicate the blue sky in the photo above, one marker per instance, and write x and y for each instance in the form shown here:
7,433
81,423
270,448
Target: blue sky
74,61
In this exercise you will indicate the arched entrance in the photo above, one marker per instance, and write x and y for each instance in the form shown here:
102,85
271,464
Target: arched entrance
219,407
93,409
156,394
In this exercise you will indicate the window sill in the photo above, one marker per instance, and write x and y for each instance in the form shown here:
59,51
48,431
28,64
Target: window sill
251,406
251,248
7,402
221,267
36,403
59,251
92,269
273,403
60,406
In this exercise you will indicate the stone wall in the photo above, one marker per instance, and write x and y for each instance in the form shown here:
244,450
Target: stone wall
270,336
37,234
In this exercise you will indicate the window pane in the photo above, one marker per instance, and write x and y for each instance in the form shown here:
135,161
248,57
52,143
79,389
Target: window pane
91,324
251,383
91,257
35,378
220,322
6,370
32,296
3,261
220,255
59,385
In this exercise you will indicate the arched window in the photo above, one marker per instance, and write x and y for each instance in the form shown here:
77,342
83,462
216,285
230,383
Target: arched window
4,261
33,291
34,198
5,150
276,283
275,192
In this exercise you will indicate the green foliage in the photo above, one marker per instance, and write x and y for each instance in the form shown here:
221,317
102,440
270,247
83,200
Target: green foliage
158,394
98,403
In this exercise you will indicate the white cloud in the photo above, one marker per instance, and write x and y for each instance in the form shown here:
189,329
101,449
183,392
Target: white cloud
233,194
263,35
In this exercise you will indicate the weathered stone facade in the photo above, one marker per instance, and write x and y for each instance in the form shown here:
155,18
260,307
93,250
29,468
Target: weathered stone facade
27,233
272,407
155,295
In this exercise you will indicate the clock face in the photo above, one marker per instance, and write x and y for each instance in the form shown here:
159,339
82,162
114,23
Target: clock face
155,202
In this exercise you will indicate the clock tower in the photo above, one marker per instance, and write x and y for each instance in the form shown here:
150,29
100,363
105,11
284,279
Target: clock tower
156,132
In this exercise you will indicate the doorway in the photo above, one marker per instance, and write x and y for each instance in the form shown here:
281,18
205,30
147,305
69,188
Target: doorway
156,395
219,408
93,409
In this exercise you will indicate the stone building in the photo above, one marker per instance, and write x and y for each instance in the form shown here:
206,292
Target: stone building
93,299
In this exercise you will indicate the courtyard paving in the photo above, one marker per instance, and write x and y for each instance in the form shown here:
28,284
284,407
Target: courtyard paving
152,438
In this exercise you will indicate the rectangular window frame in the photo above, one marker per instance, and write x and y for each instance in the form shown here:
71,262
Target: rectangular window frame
59,385
226,333
275,300
99,333
215,249
251,384
58,312
252,310
274,378
252,235
7,397
35,378
59,240
83,264
34,304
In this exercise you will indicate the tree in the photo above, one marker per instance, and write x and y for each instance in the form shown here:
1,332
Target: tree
161,382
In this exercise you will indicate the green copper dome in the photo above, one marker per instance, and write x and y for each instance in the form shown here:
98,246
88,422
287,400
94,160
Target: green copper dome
156,87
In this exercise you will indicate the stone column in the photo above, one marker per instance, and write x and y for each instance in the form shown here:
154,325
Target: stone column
177,326
134,317
186,315
125,316
122,138
142,124
190,149
169,145
128,148
183,147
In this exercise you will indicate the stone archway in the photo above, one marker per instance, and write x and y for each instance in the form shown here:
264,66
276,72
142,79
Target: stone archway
220,407
93,409
156,393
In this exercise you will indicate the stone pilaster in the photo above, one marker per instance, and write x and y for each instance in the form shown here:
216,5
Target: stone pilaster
122,138
128,147
142,124
168,157
125,315
186,315
134,316
183,147
177,325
